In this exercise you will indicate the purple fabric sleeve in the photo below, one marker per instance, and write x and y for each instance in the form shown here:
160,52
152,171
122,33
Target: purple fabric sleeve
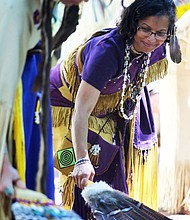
100,65
103,60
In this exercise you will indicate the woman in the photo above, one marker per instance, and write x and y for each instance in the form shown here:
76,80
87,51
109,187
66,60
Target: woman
105,80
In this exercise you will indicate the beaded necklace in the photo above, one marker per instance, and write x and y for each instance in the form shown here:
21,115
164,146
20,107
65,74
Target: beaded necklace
134,87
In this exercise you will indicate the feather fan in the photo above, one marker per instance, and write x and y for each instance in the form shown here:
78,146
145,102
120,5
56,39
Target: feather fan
109,204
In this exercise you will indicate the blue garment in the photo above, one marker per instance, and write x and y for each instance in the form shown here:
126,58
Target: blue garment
32,130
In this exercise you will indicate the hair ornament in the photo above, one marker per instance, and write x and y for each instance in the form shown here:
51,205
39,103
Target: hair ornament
175,51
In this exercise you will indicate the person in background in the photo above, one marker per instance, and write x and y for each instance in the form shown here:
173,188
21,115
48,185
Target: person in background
20,31
174,173
99,97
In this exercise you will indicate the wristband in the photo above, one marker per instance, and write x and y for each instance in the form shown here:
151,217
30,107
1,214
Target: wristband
82,161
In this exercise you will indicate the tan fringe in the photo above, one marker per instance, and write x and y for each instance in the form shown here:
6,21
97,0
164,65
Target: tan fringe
106,126
70,73
60,116
79,53
68,193
157,71
174,187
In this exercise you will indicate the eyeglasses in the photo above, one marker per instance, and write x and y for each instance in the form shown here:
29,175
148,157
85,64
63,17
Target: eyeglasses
146,32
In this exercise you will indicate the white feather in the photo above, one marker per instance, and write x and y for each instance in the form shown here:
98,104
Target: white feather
94,189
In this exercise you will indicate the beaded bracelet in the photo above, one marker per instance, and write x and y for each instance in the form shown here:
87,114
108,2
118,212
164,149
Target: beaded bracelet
81,161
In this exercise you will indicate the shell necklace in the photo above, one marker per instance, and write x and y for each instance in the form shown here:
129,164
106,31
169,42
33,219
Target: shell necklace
128,107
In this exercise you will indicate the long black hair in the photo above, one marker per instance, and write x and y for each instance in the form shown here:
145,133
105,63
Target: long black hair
140,9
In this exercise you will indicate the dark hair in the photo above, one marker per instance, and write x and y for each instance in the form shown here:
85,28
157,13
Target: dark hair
140,9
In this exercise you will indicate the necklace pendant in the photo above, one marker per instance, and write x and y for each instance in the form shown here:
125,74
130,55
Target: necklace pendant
129,106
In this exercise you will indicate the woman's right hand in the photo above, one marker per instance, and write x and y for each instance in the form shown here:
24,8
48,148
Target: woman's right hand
82,173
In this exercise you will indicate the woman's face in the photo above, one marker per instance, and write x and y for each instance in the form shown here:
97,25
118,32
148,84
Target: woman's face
151,33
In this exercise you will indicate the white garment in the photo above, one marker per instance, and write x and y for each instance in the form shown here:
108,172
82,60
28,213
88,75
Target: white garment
19,32
174,176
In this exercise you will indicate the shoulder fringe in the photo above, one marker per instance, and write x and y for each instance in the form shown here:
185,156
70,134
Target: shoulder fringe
157,71
70,73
